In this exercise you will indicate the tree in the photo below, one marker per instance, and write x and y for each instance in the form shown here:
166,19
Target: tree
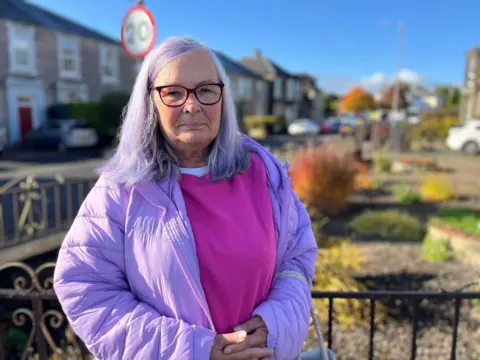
387,97
453,99
331,104
357,100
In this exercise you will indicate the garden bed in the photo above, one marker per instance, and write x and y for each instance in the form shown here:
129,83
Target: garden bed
398,266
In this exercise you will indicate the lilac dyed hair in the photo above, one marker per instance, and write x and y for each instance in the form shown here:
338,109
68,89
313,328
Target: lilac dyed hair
143,154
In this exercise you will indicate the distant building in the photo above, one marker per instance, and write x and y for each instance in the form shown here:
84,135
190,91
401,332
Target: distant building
470,103
249,89
312,104
284,89
46,59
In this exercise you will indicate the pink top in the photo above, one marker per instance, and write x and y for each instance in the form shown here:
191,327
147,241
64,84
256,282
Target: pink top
232,222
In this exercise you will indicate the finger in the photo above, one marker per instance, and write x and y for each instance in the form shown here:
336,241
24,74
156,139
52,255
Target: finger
251,325
233,338
251,353
257,339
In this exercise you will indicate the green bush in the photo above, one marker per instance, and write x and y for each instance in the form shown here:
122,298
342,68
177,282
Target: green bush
463,219
382,164
391,224
404,194
105,115
436,250
435,124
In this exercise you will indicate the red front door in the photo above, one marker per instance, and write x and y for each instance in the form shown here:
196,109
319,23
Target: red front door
25,116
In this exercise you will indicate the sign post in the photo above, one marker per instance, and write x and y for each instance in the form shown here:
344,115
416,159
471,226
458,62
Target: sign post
138,31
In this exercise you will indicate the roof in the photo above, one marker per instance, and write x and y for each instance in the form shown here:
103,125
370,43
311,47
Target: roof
22,11
280,71
232,66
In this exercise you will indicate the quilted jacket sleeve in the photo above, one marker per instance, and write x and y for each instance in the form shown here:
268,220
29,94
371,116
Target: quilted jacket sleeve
94,293
286,311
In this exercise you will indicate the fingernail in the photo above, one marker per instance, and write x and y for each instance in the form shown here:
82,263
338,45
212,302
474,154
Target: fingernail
227,351
242,335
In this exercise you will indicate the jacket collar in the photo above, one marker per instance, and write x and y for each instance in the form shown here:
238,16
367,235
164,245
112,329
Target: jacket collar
157,192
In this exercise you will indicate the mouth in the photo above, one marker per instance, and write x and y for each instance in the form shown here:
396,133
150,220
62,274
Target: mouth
192,126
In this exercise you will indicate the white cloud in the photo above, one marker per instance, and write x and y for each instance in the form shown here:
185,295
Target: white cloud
340,84
409,76
374,81
378,79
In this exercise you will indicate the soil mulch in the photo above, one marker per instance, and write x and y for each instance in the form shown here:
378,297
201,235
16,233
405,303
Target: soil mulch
398,266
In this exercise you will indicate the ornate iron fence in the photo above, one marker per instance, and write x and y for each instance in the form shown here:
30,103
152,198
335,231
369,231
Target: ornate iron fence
32,325
31,208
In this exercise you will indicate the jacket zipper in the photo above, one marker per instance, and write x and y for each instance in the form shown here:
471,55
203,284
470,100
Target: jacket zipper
184,225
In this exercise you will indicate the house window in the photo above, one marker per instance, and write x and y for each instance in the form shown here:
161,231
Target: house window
278,110
109,64
244,88
259,87
277,89
70,93
21,40
68,57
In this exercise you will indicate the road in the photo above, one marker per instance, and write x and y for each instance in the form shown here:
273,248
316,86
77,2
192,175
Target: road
59,202
81,165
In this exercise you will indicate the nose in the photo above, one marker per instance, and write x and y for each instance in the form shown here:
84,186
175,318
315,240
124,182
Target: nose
191,105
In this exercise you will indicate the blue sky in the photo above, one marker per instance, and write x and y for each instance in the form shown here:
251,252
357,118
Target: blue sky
341,42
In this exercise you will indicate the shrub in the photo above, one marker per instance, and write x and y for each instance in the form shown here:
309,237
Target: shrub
105,115
463,219
404,194
382,164
435,124
391,224
333,273
436,250
323,179
318,222
258,121
437,187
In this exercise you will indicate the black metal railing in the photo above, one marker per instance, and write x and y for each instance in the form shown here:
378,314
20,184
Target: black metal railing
31,208
414,297
28,302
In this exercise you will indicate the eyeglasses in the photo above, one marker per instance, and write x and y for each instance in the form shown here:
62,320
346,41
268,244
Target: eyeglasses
175,95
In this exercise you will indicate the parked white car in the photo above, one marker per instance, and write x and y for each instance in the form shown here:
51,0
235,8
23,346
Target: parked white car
304,127
465,137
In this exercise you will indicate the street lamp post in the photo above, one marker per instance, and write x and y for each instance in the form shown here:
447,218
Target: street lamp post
395,132
396,93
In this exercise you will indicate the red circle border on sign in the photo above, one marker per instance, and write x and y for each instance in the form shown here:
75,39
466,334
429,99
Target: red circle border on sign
150,46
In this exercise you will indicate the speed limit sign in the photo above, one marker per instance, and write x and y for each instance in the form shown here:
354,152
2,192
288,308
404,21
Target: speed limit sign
138,32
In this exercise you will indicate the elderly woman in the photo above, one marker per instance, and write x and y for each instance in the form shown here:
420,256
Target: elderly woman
192,244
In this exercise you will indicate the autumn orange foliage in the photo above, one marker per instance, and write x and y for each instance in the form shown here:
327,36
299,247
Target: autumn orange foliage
357,100
323,179
363,179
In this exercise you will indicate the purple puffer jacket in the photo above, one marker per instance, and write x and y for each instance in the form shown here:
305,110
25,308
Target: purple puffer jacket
128,280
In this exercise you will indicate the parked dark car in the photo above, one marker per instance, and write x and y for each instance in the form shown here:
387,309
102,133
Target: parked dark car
62,134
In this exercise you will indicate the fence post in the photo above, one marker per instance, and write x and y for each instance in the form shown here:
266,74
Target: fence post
39,339
2,336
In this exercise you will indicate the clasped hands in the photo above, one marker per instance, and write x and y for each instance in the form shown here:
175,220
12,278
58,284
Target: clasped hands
249,341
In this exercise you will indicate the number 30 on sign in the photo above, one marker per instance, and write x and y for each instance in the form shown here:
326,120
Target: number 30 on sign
138,32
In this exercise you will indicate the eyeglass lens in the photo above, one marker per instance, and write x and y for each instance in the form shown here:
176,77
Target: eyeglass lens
177,95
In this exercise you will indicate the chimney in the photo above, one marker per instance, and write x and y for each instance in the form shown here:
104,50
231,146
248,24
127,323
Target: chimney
257,53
